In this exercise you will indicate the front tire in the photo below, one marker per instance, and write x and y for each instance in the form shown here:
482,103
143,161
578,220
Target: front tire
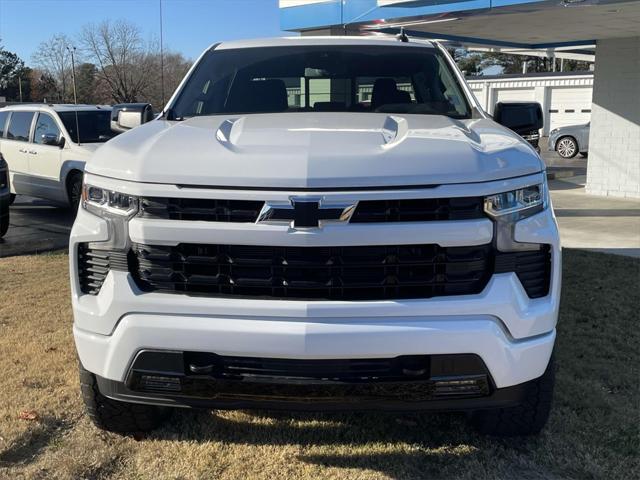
116,416
74,189
567,147
526,419
12,198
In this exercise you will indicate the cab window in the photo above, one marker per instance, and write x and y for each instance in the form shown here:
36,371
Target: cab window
20,126
45,125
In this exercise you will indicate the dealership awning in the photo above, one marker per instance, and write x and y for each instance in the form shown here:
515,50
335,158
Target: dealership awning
507,23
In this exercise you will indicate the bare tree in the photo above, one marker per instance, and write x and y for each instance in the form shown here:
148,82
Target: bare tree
54,58
121,56
175,68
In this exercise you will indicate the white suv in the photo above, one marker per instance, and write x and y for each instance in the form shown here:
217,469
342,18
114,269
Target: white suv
320,224
41,146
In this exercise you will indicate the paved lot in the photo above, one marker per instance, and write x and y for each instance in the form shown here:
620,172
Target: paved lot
605,224
36,227
598,223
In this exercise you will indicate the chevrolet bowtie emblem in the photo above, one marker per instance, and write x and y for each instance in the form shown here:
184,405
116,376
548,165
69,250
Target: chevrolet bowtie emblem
304,212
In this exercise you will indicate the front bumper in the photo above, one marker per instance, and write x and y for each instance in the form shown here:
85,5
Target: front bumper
512,333
448,382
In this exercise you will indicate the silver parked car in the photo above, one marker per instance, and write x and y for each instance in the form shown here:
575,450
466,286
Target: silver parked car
568,141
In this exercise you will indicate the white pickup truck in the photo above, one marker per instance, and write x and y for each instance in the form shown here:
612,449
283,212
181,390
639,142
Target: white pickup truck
319,224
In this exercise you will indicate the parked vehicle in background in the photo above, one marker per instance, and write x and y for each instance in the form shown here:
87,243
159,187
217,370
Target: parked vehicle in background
4,197
524,118
317,223
571,140
46,157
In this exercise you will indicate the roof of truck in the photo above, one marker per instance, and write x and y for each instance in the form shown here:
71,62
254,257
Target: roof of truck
382,40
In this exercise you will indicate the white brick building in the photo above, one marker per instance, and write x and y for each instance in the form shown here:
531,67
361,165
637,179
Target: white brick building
614,142
565,97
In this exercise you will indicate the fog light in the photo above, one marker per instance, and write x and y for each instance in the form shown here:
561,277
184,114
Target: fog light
472,386
159,384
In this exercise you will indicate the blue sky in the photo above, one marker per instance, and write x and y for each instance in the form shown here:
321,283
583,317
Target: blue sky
190,26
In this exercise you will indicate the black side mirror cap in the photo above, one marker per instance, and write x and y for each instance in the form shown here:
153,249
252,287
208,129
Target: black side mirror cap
521,117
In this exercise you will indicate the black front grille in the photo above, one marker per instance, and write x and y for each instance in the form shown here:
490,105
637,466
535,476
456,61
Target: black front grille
367,211
418,210
94,265
328,273
532,268
200,209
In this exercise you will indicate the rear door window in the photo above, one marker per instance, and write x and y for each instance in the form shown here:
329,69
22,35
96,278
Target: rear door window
20,126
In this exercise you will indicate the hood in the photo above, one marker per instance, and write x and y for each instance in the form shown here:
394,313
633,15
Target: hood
316,150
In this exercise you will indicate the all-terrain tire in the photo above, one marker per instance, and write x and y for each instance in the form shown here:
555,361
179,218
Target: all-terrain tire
116,416
74,189
527,418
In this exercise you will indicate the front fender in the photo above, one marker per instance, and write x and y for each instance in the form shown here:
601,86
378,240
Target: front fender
68,166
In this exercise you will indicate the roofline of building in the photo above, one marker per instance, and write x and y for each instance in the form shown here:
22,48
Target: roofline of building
529,75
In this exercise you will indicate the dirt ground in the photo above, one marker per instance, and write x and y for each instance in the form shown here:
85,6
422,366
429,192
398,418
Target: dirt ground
594,430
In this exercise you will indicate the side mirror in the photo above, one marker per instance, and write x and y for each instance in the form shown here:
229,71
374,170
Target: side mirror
126,116
521,117
52,139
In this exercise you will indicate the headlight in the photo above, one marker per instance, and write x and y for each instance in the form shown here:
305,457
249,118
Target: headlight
507,208
101,201
116,208
527,200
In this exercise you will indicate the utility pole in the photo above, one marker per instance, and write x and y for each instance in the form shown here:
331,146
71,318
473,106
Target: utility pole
161,58
73,73
72,51
20,87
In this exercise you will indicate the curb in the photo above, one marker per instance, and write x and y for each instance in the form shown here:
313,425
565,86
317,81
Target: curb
560,174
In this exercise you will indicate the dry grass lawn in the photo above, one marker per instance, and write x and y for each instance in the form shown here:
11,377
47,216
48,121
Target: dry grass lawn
593,431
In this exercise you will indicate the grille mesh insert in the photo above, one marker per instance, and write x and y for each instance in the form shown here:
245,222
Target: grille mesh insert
367,211
418,210
330,273
200,209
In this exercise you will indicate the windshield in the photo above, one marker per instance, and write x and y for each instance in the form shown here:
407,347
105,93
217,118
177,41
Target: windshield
95,126
357,78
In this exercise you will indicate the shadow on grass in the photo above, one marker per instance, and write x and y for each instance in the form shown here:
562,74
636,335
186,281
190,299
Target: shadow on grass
313,429
28,446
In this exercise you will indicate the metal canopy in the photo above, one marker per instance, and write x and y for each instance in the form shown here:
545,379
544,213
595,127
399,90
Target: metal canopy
522,24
